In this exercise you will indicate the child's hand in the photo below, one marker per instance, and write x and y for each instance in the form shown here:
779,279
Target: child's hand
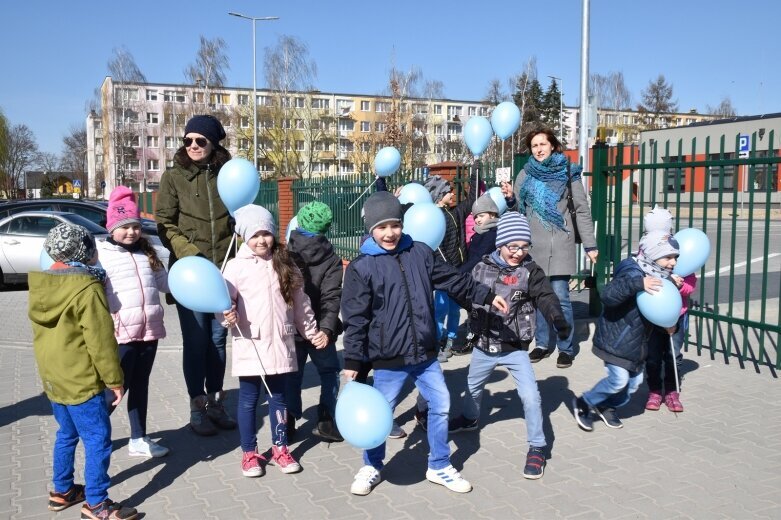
592,255
320,340
652,284
500,304
671,330
118,393
231,317
677,280
397,191
507,190
350,375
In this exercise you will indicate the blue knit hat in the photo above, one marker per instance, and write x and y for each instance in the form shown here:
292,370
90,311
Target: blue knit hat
513,227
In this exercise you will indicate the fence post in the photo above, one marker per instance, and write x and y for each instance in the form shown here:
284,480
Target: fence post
286,208
599,187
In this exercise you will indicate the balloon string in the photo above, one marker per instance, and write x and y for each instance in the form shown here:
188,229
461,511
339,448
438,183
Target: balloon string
362,194
675,364
227,254
255,348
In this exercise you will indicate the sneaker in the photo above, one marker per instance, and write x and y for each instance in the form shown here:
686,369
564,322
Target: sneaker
673,402
535,463
450,478
538,354
108,510
60,501
281,458
609,417
326,429
251,464
199,420
444,355
365,480
421,417
461,424
582,412
396,432
564,360
145,447
654,401
215,409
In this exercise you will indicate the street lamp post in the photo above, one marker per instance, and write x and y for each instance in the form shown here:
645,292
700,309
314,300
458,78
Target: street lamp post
254,81
561,108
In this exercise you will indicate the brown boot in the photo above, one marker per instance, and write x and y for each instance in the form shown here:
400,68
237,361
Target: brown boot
215,409
199,420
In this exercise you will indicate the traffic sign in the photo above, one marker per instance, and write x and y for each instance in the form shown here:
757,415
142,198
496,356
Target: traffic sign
744,146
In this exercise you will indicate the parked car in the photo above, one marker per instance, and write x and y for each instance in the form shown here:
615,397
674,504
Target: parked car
22,236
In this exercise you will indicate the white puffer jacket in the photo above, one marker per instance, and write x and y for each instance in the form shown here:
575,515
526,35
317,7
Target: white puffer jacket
133,290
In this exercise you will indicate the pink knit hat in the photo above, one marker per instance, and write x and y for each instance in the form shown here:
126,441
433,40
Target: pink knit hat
122,209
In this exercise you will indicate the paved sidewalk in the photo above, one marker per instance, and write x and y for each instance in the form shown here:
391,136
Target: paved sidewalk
721,458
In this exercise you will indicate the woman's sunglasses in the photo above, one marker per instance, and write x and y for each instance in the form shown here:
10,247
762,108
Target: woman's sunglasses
200,141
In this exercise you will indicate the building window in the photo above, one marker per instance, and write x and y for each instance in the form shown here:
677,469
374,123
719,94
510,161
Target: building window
153,165
382,106
173,95
127,94
133,141
675,178
169,119
438,130
152,118
763,177
454,129
133,164
344,105
438,109
365,106
320,104
484,111
299,145
365,167
472,111
366,147
243,99
366,126
286,124
152,141
322,146
725,174
171,143
346,167
346,125
420,108
319,167
244,121
299,102
217,98
379,126
265,101
453,110
151,95
243,144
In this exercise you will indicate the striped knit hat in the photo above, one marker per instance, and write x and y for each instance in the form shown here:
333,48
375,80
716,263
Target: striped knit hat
513,227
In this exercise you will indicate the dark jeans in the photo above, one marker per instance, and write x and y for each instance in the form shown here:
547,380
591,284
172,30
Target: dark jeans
203,353
137,359
327,363
250,388
659,364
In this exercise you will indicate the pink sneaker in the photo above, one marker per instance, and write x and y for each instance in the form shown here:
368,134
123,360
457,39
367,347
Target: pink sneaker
654,401
281,458
673,402
251,464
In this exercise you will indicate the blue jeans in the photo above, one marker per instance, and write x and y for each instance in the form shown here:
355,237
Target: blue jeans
249,395
327,363
659,365
430,381
203,352
520,368
136,359
614,390
445,308
545,330
89,422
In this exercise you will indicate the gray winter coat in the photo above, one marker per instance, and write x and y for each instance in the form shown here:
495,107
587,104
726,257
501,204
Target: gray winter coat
554,249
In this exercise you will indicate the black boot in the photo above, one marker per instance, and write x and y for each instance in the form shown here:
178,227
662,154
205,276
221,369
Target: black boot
326,427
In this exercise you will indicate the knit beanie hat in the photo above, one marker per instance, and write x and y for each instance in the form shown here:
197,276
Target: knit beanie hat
379,208
437,187
122,209
658,244
658,219
484,204
253,218
513,227
315,217
208,126
69,243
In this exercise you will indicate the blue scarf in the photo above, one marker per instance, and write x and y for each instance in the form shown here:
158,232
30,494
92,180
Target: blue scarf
97,272
544,187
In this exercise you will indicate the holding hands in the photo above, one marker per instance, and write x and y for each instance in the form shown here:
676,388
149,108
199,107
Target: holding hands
677,280
320,340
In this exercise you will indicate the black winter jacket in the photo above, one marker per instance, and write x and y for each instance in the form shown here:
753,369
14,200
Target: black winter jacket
621,336
482,244
322,270
453,246
388,307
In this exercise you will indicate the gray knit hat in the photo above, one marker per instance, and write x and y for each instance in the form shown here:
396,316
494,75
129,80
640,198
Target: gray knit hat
513,227
437,187
658,244
69,243
484,204
658,219
380,208
253,218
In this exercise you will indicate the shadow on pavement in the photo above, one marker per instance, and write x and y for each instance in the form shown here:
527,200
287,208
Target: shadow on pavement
36,405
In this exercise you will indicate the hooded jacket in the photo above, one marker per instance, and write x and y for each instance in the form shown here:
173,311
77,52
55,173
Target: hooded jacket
388,305
323,272
73,335
453,246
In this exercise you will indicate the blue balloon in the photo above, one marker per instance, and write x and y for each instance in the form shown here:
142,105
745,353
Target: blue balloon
694,248
290,227
238,184
477,135
413,193
498,197
198,285
387,161
425,223
363,415
663,307
44,260
505,119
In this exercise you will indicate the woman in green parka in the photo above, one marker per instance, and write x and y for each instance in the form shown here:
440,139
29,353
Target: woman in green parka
192,220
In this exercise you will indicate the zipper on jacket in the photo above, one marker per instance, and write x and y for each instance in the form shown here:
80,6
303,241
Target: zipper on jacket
409,307
143,296
211,212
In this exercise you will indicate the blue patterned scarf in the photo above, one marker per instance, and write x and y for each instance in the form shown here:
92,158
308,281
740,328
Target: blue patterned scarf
544,187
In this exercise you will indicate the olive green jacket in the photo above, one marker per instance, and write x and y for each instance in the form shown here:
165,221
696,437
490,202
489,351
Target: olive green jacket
73,335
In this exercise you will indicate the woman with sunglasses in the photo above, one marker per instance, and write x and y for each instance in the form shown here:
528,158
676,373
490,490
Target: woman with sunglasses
192,220
542,191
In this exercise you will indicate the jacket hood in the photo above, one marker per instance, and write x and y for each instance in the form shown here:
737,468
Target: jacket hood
313,249
371,248
626,264
52,291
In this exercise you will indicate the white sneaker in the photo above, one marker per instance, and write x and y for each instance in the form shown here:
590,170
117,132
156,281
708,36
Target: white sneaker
365,480
450,478
145,447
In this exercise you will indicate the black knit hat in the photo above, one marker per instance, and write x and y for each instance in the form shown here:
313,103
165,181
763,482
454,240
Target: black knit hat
380,208
208,126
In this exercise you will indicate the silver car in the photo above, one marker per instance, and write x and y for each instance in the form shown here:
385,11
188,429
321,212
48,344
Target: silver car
22,236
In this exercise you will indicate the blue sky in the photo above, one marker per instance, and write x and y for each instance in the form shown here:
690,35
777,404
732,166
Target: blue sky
55,53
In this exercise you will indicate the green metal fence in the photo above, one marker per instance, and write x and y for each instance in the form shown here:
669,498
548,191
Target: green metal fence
734,311
268,197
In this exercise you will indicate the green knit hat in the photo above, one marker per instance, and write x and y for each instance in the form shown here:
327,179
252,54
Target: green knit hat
315,217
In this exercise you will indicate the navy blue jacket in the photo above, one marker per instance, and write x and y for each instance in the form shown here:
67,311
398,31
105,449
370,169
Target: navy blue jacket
621,336
482,244
388,307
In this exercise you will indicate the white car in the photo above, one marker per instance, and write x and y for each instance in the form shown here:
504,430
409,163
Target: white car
22,236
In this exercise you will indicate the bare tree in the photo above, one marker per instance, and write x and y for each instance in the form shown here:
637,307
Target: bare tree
657,101
74,154
610,90
49,162
4,133
723,109
20,154
528,96
211,64
494,94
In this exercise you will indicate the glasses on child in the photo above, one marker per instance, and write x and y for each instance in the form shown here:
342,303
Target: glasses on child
200,141
515,249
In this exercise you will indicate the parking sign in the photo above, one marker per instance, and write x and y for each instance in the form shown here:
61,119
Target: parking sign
744,146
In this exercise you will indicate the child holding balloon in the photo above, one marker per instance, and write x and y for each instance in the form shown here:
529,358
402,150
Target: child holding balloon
267,291
621,336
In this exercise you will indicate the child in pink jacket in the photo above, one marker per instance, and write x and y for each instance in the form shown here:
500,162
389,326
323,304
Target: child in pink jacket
267,291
